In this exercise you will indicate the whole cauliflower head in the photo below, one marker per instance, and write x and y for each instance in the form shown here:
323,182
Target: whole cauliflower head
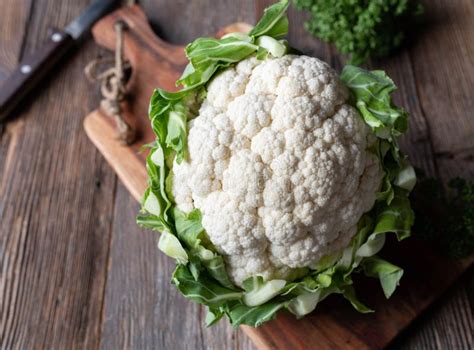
278,165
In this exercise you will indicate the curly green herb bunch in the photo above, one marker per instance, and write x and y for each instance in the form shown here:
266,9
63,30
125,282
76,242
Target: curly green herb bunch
273,179
361,28
452,232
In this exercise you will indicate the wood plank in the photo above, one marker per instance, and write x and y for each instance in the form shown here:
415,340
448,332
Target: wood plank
126,162
10,53
441,327
56,200
443,73
182,21
12,31
142,310
444,70
444,325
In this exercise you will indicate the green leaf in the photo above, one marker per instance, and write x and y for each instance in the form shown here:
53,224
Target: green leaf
371,94
169,113
306,302
365,227
349,293
256,315
195,266
398,217
207,55
252,283
155,200
151,222
327,261
372,246
263,292
230,49
371,91
274,21
272,46
406,178
153,204
188,227
324,279
176,131
204,290
213,315
170,245
216,268
388,273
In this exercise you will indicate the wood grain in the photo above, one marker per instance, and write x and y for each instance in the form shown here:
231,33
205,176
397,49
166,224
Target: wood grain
155,316
446,90
441,66
13,26
127,163
60,208
56,200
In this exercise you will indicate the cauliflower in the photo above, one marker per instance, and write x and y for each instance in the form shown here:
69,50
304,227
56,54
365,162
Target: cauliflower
272,179
279,165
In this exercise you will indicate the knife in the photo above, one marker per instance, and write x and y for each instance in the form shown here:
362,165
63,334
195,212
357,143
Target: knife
35,67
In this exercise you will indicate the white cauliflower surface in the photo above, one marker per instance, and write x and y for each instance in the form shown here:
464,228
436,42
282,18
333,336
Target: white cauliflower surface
278,165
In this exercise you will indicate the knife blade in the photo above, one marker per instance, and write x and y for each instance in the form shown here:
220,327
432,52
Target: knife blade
35,67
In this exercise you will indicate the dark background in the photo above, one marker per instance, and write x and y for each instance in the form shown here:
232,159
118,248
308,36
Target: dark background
76,271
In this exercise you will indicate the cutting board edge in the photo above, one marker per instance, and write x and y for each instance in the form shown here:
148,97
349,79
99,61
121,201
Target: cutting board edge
123,159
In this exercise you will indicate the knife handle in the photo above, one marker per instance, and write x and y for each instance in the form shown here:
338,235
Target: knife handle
32,69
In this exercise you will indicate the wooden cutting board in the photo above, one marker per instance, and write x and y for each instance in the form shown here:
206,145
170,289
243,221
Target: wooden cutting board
334,324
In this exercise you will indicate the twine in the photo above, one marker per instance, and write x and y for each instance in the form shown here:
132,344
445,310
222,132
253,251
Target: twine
112,85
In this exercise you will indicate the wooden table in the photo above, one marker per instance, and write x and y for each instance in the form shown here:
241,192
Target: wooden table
76,271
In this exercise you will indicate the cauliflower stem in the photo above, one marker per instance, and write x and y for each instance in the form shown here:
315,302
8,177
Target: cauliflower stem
204,273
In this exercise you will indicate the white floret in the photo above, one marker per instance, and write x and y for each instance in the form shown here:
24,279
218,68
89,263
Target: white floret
278,165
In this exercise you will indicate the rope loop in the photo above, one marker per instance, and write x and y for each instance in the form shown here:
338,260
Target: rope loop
113,84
